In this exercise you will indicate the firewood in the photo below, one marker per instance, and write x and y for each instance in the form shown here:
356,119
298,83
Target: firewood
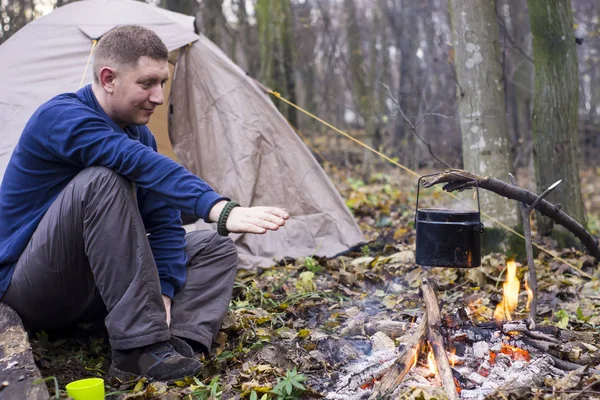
540,345
541,336
564,364
409,353
436,340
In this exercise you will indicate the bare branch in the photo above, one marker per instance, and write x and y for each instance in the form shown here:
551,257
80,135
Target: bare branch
413,127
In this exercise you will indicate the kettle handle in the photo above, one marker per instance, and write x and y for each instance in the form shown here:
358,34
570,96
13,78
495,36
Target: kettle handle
454,173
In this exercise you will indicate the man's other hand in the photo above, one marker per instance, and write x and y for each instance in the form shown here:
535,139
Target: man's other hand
256,219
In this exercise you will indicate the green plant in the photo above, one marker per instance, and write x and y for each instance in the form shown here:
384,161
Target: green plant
290,386
202,391
365,250
254,396
53,379
355,183
563,319
581,317
312,265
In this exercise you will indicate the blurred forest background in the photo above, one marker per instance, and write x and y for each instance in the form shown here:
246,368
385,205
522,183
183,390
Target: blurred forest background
378,66
407,77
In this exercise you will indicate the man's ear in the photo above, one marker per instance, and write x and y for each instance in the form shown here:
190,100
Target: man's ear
107,79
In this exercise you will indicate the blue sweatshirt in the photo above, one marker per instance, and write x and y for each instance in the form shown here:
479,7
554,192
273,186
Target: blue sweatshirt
71,132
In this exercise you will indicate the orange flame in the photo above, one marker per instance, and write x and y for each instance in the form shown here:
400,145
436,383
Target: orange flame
510,297
452,357
431,362
529,295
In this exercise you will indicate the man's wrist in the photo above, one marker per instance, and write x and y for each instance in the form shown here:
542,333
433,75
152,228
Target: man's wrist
215,211
222,223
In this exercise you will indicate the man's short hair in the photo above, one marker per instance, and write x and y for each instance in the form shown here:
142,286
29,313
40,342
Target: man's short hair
124,45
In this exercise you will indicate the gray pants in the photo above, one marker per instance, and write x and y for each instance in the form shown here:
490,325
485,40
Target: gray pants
91,249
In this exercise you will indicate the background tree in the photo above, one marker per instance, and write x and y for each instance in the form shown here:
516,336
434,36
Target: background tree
406,70
486,149
555,136
275,35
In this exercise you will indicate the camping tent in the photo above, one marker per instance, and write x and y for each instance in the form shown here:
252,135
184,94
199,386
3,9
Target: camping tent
222,126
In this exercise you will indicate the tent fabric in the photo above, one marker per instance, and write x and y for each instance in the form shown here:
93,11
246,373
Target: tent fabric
226,130
223,128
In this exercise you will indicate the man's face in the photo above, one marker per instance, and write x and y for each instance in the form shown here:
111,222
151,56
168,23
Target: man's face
138,91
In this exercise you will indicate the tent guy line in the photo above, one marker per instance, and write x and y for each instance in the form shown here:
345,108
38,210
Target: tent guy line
410,171
87,64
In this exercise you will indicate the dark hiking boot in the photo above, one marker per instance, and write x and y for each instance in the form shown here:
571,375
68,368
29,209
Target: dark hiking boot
181,346
189,349
158,362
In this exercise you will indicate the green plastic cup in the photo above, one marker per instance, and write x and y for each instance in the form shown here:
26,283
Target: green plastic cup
86,389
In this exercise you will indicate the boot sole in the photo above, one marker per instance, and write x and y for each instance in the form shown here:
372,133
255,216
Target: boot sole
128,376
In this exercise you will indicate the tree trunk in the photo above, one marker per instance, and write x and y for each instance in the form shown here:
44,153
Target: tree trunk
287,44
485,142
306,51
188,7
359,80
518,68
555,137
212,18
410,77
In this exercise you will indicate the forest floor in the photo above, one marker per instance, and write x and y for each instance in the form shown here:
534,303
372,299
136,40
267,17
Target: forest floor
287,334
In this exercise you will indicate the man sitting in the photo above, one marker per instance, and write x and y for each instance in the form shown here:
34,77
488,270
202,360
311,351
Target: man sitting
90,217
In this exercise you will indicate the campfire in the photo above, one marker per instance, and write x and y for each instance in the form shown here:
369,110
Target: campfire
496,359
510,297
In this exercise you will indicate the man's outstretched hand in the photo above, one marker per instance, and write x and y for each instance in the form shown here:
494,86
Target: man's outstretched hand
256,219
251,219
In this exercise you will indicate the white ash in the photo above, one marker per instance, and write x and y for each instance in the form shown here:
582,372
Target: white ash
504,374
496,347
382,342
481,349
348,386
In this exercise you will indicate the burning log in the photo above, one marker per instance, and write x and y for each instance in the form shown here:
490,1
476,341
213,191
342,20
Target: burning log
457,182
409,353
436,340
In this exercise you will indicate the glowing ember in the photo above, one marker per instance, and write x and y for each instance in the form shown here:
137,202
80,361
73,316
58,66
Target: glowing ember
431,362
510,297
458,387
492,357
515,353
369,384
529,295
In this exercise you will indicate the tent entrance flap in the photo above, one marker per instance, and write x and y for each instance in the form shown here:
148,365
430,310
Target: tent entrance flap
260,159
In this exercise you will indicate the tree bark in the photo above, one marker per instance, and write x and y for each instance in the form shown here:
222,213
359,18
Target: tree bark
485,142
187,7
555,137
518,73
17,366
287,43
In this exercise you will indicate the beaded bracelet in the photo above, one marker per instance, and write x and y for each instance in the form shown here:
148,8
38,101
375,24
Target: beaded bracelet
221,224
